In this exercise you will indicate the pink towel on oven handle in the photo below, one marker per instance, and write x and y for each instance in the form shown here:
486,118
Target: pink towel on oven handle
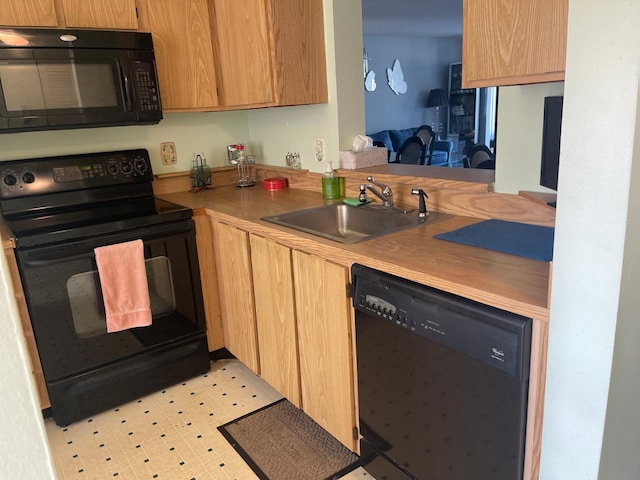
125,290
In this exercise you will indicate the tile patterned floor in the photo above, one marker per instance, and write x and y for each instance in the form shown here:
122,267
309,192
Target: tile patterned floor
170,434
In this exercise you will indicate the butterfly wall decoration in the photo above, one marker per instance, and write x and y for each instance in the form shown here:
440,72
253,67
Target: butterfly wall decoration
370,81
396,79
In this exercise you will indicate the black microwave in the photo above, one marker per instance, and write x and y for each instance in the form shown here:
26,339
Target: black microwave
61,79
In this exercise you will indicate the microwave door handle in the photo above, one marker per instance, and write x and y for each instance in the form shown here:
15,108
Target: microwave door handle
128,101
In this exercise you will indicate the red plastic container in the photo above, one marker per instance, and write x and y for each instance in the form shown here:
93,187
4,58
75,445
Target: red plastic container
275,183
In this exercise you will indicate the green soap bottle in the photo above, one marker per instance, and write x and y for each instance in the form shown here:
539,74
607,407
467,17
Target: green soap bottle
332,186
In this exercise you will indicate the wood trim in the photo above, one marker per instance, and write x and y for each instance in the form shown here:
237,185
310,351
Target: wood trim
25,321
515,80
543,198
209,281
456,191
535,409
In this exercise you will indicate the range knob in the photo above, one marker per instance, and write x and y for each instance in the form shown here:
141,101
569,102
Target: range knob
112,168
126,167
10,179
28,177
141,165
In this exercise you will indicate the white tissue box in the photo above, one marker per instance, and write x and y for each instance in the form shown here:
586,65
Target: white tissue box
368,158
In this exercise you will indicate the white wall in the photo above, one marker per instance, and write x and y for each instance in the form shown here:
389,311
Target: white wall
425,65
595,265
519,136
24,451
191,132
622,428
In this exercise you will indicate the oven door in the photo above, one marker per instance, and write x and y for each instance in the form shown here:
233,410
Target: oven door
65,302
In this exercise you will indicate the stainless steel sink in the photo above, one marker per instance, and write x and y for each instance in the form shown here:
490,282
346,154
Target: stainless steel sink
349,224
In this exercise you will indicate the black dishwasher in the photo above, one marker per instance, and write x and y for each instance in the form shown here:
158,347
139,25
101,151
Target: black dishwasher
442,382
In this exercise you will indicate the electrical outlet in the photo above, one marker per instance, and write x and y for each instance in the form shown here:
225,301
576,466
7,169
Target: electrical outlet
319,148
168,153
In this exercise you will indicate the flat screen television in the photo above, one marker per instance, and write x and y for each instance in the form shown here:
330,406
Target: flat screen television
551,128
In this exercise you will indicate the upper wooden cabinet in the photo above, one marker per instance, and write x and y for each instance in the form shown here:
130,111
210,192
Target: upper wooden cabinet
28,13
241,40
210,54
184,53
300,67
512,42
230,54
107,14
269,52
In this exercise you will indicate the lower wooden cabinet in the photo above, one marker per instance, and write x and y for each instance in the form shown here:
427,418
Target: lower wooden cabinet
233,264
286,315
276,317
325,344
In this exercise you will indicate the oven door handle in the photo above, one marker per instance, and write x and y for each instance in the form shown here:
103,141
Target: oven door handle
35,261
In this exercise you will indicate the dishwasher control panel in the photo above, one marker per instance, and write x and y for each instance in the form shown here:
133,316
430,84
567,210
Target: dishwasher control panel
492,336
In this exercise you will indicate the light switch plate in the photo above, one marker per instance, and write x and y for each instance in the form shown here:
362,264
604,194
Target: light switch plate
168,153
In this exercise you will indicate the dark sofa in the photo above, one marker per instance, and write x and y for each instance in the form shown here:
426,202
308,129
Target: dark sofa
394,138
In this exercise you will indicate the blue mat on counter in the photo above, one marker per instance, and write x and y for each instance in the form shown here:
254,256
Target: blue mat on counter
531,241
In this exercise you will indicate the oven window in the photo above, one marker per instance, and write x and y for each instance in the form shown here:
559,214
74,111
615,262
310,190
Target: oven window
85,297
53,86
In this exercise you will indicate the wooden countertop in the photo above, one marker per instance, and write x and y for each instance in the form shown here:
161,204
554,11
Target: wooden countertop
509,282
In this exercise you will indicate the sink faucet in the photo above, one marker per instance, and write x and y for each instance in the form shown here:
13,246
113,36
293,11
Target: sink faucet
385,194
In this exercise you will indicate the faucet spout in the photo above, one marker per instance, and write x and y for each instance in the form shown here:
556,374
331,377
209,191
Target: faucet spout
385,194
373,190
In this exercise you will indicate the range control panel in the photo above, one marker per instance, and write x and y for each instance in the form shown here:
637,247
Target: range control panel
19,178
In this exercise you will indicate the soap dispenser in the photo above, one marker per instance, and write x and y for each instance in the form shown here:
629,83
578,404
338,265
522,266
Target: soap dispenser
332,185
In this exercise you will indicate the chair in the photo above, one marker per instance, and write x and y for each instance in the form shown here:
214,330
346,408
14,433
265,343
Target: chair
442,150
480,156
412,151
425,132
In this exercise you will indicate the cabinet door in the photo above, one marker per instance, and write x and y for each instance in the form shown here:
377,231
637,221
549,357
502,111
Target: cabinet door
299,53
209,280
233,263
276,316
243,51
513,42
108,14
182,43
28,13
325,343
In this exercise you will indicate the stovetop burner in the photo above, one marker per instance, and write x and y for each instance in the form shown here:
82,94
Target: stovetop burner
55,199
